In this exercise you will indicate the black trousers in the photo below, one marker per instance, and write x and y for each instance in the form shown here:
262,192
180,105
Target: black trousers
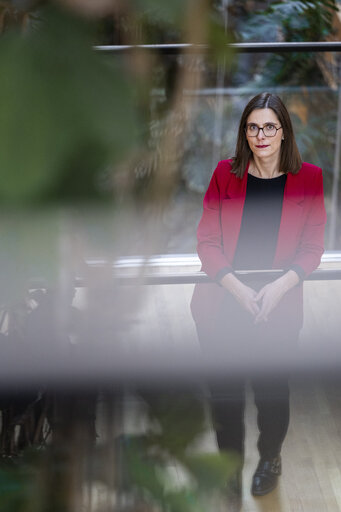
227,409
234,336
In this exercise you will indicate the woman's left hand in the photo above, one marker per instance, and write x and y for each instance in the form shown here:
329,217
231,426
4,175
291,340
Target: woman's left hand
271,294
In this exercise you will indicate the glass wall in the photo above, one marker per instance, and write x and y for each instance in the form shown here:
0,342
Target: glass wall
206,123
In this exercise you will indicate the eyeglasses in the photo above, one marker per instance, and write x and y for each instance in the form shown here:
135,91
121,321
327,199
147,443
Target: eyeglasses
269,130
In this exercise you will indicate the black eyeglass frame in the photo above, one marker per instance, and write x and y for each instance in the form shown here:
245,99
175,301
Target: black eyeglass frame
261,128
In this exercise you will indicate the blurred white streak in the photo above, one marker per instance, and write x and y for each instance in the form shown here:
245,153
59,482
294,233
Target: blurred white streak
181,260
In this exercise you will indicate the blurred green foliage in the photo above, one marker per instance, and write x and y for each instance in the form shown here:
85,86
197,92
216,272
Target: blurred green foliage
303,20
177,422
15,488
291,21
168,13
65,113
151,470
20,484
69,118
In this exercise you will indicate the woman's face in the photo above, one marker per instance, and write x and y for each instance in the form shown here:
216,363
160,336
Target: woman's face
260,145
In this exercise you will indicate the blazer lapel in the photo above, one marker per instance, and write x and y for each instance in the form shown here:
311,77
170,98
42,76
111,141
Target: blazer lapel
231,213
236,188
292,210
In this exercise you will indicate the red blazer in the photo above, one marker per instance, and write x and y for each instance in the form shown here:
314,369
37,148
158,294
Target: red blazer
300,237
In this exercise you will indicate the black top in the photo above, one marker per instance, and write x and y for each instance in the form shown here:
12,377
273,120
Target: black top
259,228
260,223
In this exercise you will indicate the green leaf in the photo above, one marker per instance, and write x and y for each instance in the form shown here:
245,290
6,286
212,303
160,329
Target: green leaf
165,12
17,486
218,40
141,469
211,470
64,114
180,420
149,474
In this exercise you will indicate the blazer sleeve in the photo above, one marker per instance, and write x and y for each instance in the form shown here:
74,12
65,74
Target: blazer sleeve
311,244
209,233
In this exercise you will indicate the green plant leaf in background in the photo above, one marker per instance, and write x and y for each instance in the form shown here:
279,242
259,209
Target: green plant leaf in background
65,113
218,40
180,419
164,12
19,484
203,475
211,470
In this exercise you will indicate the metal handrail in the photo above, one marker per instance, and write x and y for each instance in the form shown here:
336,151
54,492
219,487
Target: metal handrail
325,274
143,270
269,47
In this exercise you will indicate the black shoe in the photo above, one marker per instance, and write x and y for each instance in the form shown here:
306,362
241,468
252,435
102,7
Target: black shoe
266,476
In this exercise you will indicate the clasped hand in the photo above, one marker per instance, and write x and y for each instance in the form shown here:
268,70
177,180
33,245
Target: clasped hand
262,303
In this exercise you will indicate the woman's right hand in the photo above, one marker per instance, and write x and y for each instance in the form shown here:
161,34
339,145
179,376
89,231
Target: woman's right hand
245,295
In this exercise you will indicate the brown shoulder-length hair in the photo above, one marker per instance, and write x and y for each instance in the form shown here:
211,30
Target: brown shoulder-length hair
290,158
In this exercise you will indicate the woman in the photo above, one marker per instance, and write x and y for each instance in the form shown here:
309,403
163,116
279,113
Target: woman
263,209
